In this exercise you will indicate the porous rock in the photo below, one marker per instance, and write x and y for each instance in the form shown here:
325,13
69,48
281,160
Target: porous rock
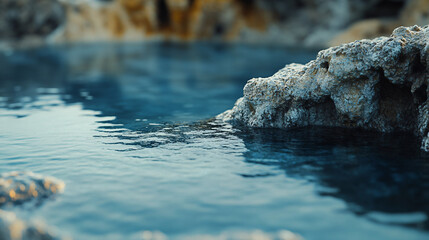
378,84
20,187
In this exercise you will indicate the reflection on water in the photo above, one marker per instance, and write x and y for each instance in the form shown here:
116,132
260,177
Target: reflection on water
128,129
372,173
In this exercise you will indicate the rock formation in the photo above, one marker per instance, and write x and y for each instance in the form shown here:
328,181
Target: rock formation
308,22
311,23
378,84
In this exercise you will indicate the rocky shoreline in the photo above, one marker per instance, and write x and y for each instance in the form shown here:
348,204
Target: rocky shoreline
378,84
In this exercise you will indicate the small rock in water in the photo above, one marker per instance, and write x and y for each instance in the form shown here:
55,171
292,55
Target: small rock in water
227,235
12,228
19,187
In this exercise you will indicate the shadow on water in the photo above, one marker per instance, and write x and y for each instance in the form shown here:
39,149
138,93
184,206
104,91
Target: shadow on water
372,172
171,89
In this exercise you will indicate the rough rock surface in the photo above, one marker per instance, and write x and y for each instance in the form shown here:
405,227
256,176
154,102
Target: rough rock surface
19,187
378,84
12,228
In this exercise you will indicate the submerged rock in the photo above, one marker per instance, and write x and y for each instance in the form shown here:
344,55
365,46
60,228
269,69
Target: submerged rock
12,228
19,187
227,235
378,84
247,235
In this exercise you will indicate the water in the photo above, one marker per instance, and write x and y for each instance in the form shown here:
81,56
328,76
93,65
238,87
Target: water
128,128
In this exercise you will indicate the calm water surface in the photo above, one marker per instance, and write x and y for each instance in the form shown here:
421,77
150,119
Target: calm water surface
128,129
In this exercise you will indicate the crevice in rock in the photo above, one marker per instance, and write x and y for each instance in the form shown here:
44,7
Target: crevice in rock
325,65
347,121
219,30
390,91
330,109
321,113
247,4
251,108
394,105
420,95
417,67
402,58
163,14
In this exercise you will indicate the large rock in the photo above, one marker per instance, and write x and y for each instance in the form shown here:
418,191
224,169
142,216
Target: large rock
378,84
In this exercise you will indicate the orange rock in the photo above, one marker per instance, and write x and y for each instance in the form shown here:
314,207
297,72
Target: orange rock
366,29
180,19
416,12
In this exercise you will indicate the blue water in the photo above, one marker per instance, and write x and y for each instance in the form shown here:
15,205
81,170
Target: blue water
129,129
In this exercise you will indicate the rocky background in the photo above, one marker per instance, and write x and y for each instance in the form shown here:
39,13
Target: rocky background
307,23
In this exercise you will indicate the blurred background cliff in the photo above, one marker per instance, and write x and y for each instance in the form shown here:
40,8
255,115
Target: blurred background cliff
306,23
